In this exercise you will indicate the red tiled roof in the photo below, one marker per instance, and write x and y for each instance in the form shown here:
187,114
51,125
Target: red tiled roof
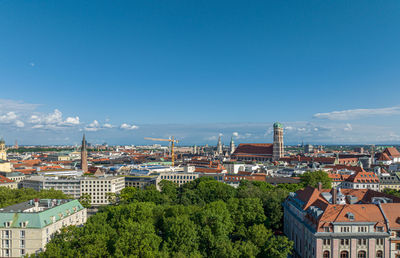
363,211
392,151
254,149
363,177
341,167
384,157
5,180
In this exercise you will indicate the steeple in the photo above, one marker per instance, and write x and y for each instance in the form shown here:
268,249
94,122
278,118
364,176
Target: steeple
278,148
219,146
232,146
84,164
3,152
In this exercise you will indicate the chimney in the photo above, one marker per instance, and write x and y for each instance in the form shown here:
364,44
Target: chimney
36,204
334,195
319,186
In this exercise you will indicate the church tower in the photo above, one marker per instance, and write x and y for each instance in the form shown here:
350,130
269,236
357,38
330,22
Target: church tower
278,149
3,153
232,147
84,164
219,146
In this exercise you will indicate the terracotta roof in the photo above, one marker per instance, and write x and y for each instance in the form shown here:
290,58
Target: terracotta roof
363,177
393,152
341,167
384,157
363,210
5,180
254,149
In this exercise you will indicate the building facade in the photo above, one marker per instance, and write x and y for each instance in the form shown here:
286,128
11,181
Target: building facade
99,188
343,223
84,163
27,227
278,150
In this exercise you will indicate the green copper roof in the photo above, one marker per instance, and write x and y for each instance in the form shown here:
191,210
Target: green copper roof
278,125
39,219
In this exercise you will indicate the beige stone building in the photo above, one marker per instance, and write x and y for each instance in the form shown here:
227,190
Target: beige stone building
99,188
27,227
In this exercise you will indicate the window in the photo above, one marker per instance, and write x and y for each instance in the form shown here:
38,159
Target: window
326,254
326,229
362,254
22,244
379,254
6,243
22,251
327,241
22,234
344,254
397,246
379,229
6,234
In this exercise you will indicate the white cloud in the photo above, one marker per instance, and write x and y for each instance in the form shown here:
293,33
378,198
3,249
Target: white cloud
106,125
348,127
8,117
235,134
19,123
125,126
358,113
93,126
72,121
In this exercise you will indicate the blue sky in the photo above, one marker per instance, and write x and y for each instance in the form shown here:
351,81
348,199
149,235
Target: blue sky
122,70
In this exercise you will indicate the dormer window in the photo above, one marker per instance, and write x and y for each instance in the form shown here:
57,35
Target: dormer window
7,224
24,224
326,229
379,229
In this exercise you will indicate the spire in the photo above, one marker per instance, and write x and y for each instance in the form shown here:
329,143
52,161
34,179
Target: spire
84,164
232,146
219,146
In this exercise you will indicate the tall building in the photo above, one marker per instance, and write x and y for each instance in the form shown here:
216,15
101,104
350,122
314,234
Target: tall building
262,151
3,153
219,146
232,147
5,166
84,164
27,227
342,223
278,149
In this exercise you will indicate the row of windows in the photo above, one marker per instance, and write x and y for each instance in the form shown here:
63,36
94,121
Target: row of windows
345,254
7,252
179,177
7,243
7,234
363,242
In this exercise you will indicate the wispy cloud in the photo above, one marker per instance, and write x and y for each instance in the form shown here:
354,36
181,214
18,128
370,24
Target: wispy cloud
358,113
125,126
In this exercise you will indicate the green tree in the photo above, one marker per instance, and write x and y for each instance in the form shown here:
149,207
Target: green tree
312,178
85,200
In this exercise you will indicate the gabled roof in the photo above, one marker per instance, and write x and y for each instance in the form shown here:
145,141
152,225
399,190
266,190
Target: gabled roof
254,149
393,152
363,177
5,180
384,157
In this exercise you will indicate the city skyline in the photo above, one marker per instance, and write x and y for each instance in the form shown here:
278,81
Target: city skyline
194,70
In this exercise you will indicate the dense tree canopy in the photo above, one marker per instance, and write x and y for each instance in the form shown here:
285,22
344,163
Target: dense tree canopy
312,178
203,218
13,196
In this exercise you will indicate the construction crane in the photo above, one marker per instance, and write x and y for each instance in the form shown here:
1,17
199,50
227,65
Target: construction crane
172,141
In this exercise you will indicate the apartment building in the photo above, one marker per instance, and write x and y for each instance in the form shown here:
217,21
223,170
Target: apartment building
179,178
140,182
27,227
68,185
343,223
99,188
